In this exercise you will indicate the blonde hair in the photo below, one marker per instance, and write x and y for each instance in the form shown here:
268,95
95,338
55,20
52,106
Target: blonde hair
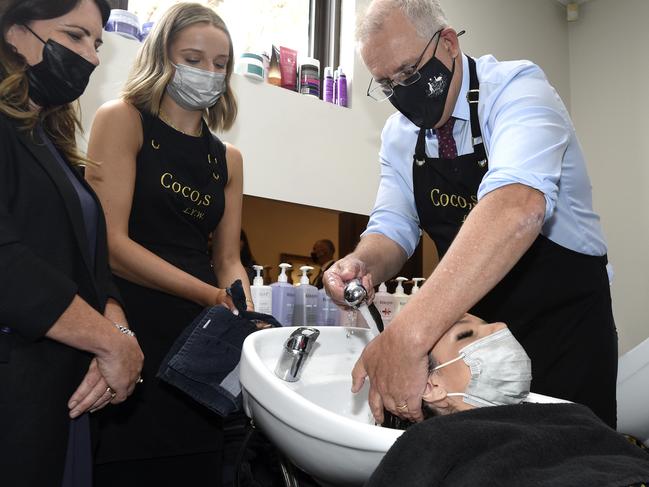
153,70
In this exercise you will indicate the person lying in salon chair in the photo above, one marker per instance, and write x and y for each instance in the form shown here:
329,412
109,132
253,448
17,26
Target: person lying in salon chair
483,426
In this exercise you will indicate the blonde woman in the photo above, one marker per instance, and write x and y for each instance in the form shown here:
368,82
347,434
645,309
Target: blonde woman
64,346
166,182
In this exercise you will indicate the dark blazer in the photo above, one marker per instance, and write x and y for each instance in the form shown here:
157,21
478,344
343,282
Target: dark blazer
44,263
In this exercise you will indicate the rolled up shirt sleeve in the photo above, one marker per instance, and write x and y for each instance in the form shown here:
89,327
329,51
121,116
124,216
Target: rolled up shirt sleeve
529,132
394,214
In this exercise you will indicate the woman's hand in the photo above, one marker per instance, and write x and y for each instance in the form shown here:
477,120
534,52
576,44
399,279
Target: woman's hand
92,394
224,299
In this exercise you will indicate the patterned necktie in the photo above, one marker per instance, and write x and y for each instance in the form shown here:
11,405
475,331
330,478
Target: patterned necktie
447,147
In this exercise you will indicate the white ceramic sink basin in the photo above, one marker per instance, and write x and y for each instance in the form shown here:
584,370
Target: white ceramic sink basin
317,422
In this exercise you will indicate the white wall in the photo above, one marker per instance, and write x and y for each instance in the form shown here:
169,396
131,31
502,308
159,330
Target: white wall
608,53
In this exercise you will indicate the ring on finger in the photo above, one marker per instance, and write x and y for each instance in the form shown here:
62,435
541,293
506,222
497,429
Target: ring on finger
403,407
112,393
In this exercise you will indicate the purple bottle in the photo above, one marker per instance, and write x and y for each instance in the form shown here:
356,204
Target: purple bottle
342,88
328,91
335,99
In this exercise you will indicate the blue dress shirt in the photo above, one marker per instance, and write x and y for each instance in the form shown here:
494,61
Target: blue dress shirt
529,139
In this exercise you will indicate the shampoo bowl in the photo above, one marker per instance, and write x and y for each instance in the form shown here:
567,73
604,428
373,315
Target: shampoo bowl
317,422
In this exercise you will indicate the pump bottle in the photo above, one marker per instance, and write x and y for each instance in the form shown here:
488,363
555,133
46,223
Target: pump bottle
400,296
262,296
306,301
283,297
415,286
328,312
385,303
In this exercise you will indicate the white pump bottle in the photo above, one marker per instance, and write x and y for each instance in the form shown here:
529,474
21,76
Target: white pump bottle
415,286
385,303
306,301
262,296
400,296
283,297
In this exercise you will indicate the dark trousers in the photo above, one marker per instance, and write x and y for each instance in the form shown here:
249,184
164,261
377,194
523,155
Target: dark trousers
200,470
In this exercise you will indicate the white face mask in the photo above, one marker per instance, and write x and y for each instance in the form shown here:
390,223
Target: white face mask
195,89
501,371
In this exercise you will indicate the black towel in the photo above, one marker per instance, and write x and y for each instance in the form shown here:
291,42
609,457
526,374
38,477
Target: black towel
204,360
553,445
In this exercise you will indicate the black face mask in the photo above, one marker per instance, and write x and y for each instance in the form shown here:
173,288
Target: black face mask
423,102
61,77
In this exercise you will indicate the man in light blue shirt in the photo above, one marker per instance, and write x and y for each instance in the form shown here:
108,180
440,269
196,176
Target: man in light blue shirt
483,157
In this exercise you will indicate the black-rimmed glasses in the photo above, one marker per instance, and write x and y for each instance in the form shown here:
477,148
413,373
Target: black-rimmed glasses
410,75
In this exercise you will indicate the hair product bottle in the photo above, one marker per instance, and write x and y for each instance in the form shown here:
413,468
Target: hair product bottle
310,77
306,301
415,286
328,90
342,87
262,296
385,303
400,296
283,297
328,312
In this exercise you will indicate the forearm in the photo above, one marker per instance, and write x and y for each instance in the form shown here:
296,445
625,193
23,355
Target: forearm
84,328
498,231
114,312
229,271
129,260
382,256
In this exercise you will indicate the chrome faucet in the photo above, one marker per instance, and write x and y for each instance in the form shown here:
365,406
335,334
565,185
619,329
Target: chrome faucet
296,350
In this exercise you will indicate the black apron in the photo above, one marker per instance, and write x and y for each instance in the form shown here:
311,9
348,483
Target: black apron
555,301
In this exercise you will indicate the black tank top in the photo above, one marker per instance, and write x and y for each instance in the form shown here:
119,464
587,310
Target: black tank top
179,196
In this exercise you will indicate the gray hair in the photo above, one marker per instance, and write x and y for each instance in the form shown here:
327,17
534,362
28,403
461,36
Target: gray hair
426,15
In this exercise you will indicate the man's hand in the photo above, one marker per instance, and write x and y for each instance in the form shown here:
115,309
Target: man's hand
397,367
340,273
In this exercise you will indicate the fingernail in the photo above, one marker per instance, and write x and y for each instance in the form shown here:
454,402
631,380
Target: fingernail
73,404
74,414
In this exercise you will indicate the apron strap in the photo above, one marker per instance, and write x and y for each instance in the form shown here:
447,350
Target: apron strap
420,147
473,97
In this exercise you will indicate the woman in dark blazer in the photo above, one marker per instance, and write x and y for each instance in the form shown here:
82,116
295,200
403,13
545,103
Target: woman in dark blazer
65,348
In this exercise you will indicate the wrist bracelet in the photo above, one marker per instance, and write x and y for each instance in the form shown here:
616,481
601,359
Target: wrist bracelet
125,330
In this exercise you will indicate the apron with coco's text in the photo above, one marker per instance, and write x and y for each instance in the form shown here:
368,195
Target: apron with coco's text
555,301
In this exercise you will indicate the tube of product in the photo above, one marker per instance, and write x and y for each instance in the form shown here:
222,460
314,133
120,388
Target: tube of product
288,67
274,74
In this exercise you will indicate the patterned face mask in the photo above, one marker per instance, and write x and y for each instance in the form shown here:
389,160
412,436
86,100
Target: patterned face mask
423,102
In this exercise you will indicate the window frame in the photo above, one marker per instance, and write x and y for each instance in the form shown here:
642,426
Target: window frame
324,32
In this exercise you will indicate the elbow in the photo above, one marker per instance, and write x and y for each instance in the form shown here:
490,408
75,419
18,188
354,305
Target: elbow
530,214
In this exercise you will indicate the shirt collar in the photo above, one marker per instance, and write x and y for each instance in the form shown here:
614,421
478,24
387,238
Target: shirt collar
461,109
